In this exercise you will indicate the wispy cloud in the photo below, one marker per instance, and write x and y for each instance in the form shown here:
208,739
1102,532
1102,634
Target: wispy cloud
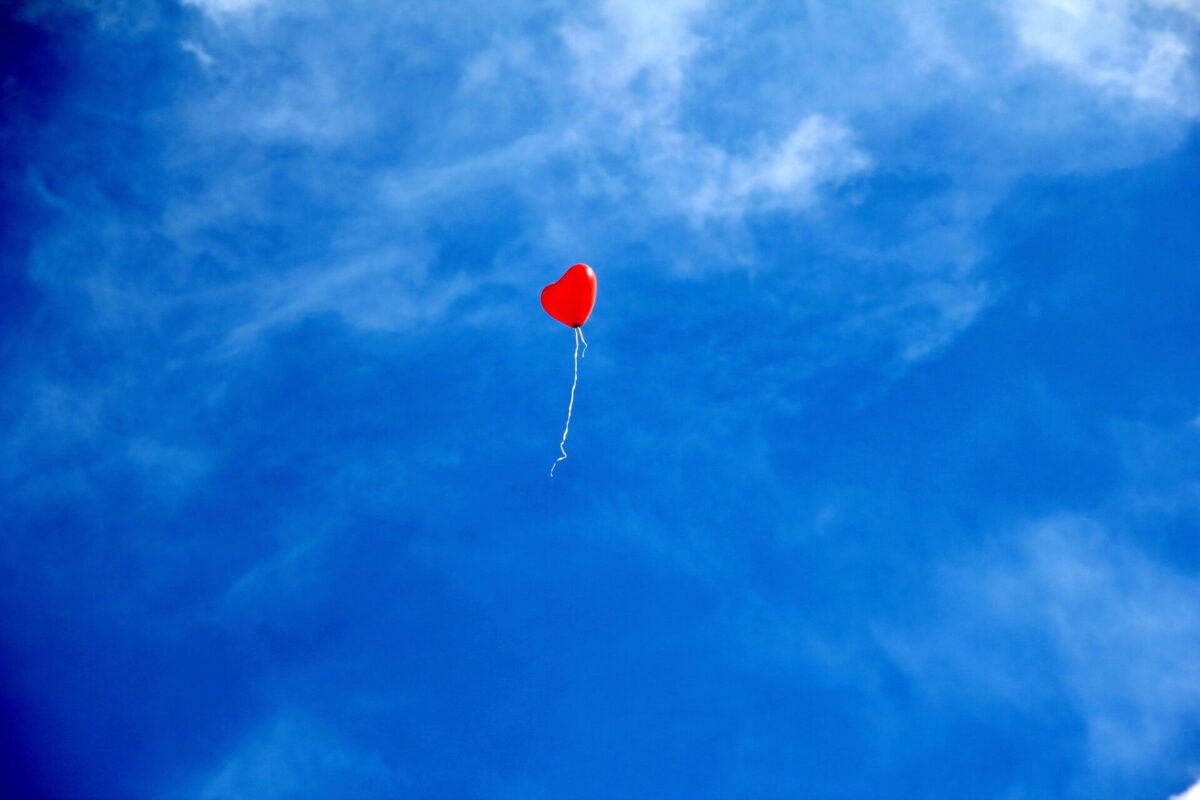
633,60
818,154
380,291
222,9
290,756
1141,50
620,85
1121,633
598,130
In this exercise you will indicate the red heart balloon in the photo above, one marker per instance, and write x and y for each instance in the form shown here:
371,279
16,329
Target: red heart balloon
570,299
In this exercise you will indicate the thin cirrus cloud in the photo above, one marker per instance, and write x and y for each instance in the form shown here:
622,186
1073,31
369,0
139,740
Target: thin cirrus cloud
1086,614
291,757
627,143
620,87
226,8
819,153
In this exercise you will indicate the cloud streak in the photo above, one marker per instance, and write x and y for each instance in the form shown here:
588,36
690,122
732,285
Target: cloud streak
1070,608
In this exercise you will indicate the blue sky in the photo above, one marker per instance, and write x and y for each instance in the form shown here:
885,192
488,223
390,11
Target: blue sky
883,475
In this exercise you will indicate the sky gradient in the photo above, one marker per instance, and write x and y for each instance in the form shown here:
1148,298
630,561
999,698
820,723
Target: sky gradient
884,469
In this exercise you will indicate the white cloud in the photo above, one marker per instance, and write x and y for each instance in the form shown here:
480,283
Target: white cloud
1118,633
506,54
619,99
948,308
303,97
1141,50
382,291
636,43
1128,632
71,430
819,153
632,66
226,8
413,190
293,757
932,44
1192,793
201,55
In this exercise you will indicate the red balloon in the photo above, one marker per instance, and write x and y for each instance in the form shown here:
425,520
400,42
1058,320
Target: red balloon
570,299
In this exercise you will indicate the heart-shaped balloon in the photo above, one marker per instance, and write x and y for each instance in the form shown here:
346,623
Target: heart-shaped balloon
570,299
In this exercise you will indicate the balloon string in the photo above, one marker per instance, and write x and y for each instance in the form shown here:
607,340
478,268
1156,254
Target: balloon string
580,331
563,444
